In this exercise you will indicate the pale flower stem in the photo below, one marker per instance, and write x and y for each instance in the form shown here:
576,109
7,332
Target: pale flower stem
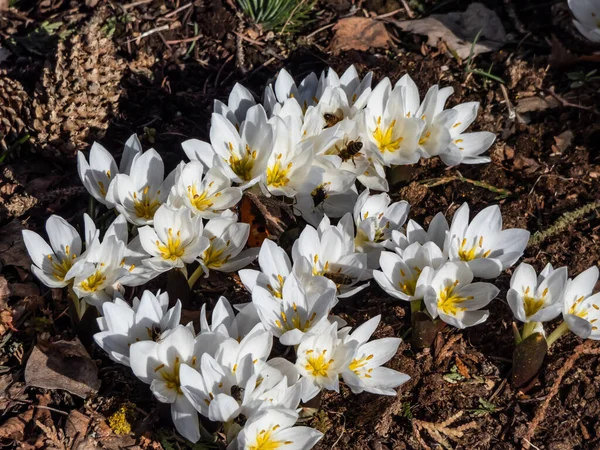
528,328
194,276
76,303
560,331
415,306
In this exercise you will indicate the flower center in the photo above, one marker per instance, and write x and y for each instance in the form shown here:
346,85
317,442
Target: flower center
213,256
146,206
171,375
265,440
533,304
242,165
577,310
449,301
201,201
470,253
295,321
61,267
424,138
277,175
278,290
358,366
93,282
174,249
408,284
317,366
385,139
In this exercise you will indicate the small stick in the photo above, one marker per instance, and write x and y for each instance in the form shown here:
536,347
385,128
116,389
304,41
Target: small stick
149,32
134,4
246,38
178,10
409,11
319,30
184,41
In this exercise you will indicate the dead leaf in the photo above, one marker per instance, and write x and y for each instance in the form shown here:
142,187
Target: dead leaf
462,367
12,248
63,365
14,427
563,141
4,290
459,29
359,33
536,103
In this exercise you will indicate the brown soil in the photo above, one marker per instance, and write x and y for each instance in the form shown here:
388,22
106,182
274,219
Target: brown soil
165,95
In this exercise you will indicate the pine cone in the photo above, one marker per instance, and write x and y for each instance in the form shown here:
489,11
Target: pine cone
14,112
79,91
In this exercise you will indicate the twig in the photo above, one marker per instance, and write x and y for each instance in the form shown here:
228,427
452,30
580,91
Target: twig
246,38
184,41
178,10
221,70
409,12
567,103
540,414
389,14
134,4
148,33
314,33
432,182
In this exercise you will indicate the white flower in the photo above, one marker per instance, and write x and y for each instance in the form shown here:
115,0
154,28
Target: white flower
364,373
244,154
327,190
139,195
290,160
581,309
274,428
158,364
357,90
53,264
98,174
206,195
406,275
587,18
297,312
375,219
483,244
123,325
239,102
102,268
392,134
436,233
321,358
175,240
535,298
330,253
285,87
275,266
465,148
456,299
226,323
226,239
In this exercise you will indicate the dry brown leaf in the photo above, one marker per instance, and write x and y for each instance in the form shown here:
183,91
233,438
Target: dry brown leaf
459,29
4,290
63,365
536,103
359,33
12,248
563,141
462,368
14,427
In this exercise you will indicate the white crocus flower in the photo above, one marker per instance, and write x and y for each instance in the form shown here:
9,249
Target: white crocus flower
139,195
330,253
375,219
364,373
483,244
321,358
334,106
175,240
243,154
436,233
393,136
455,299
285,88
122,325
357,90
158,364
275,267
206,195
466,148
406,275
374,176
239,102
534,298
291,159
297,312
581,309
327,190
226,238
587,18
274,428
98,174
53,264
226,323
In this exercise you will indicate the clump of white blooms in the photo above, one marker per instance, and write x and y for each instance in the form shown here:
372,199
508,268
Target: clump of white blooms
310,142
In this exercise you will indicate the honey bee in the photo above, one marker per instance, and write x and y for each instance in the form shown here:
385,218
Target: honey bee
331,119
338,278
319,194
350,151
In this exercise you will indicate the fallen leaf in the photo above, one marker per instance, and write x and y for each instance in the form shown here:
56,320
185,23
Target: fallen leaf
536,103
462,368
63,365
268,217
563,141
14,427
4,290
459,29
12,248
359,33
